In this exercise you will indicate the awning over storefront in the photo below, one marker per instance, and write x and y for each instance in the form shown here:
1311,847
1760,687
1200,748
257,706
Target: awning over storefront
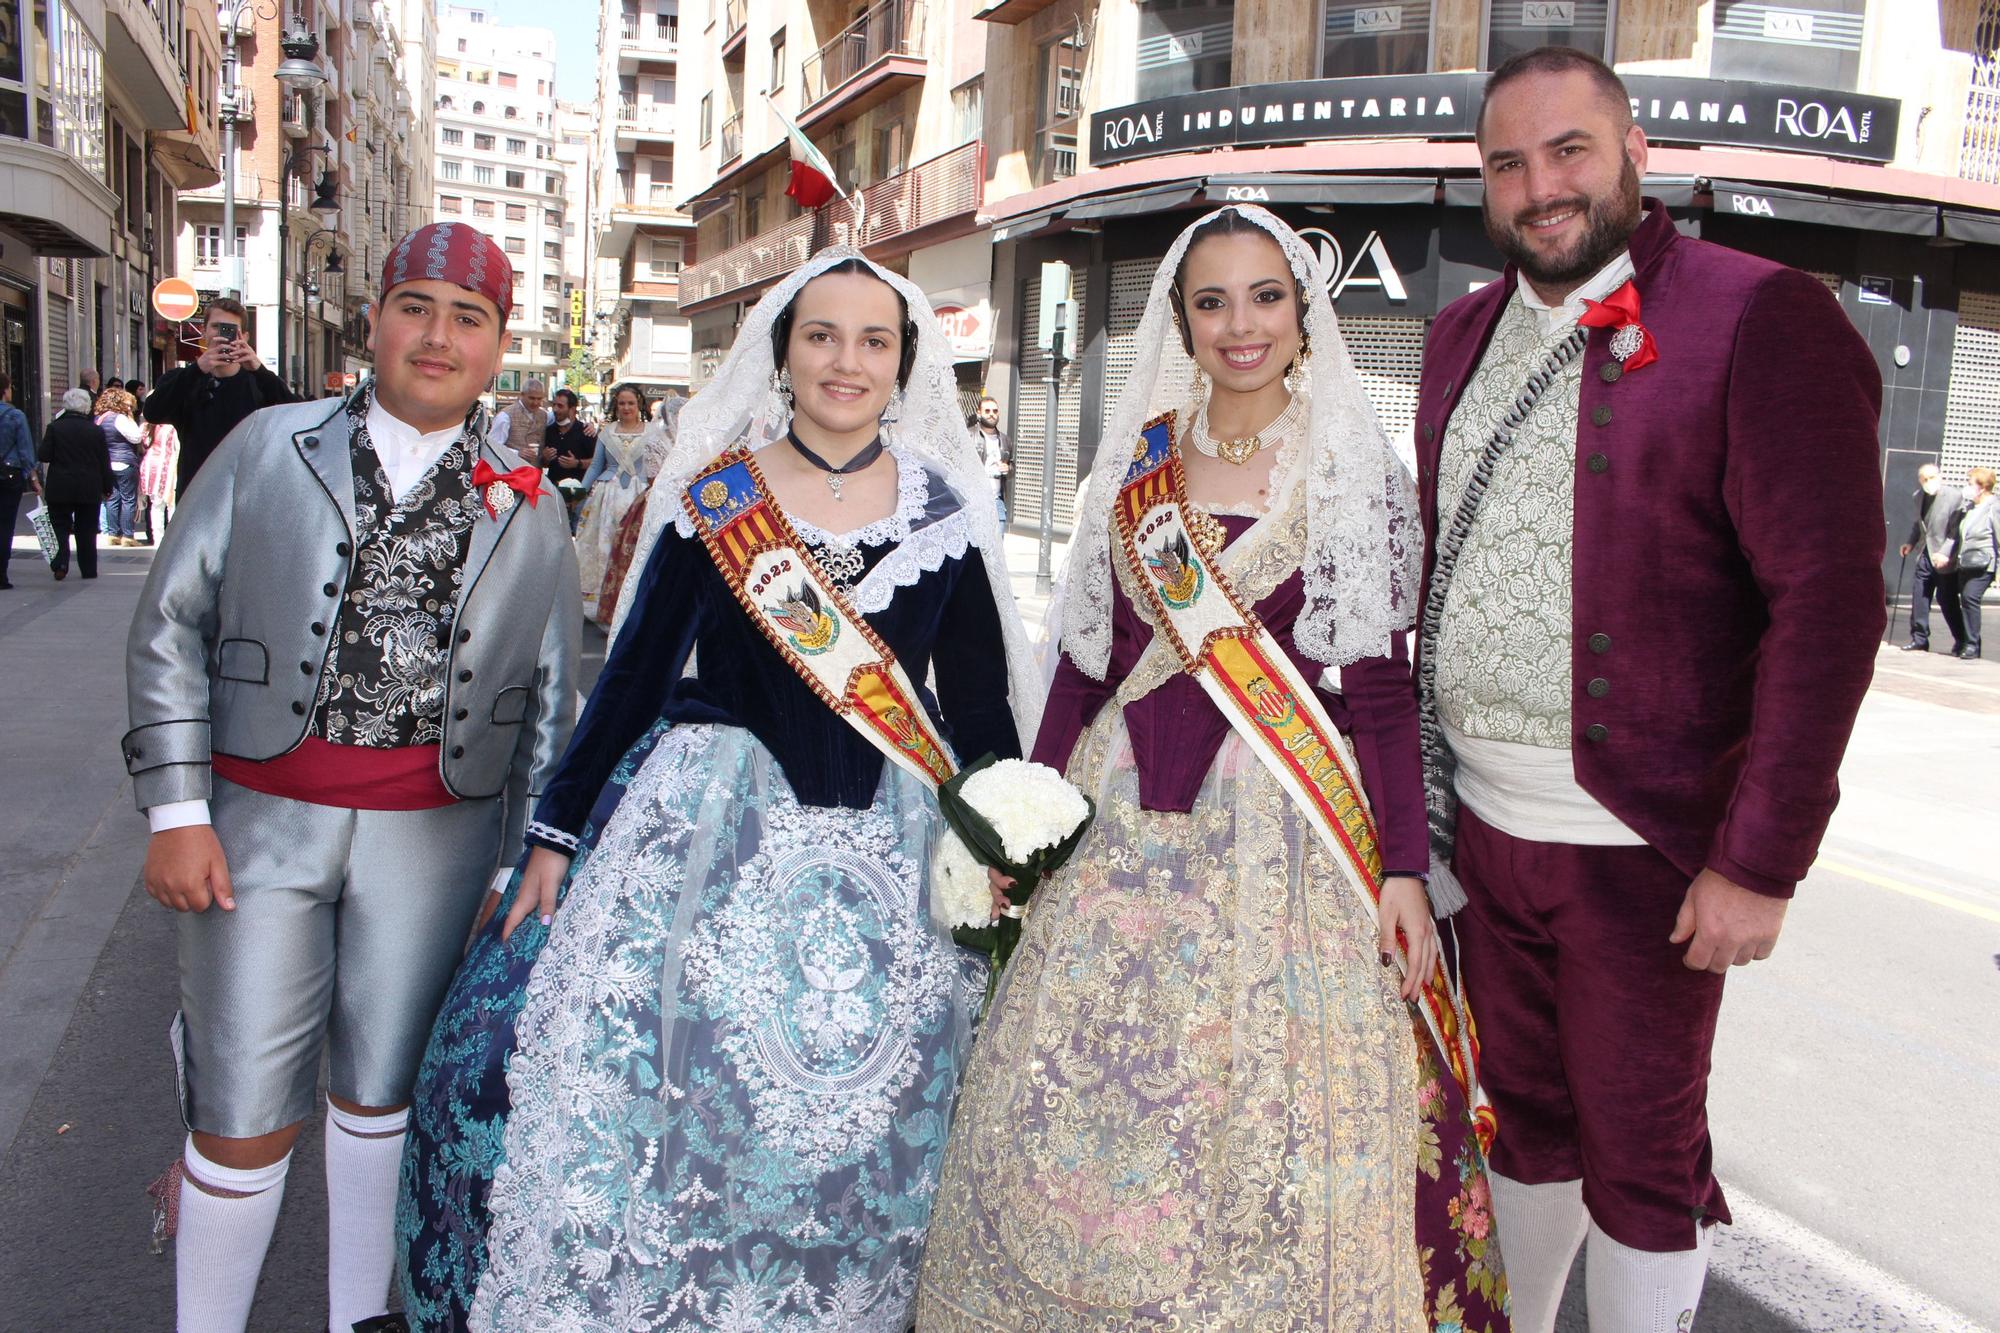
1756,200
1131,203
1328,189
1978,228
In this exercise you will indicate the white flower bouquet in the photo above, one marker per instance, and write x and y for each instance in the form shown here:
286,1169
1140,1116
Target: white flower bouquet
571,488
1022,819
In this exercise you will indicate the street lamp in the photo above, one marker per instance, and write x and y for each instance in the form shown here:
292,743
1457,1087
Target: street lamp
325,202
331,268
298,70
298,73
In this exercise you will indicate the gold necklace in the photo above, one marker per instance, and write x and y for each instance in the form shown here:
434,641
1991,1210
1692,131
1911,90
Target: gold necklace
1241,451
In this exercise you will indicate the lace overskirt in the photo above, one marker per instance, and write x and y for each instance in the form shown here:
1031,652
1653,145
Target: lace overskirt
1198,1102
736,1062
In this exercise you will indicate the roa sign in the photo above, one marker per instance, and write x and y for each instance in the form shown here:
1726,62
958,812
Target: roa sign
1368,267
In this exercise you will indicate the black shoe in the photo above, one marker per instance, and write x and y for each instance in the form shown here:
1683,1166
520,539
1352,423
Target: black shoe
1914,647
60,574
1967,654
5,585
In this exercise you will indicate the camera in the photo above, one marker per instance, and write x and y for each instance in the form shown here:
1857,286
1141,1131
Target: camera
226,332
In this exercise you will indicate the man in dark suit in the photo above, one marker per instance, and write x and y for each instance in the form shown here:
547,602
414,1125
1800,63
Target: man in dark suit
1934,537
1641,660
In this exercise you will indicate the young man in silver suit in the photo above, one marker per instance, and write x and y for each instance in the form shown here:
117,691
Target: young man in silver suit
353,665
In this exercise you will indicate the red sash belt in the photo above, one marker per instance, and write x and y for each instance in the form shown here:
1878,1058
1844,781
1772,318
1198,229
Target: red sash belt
353,777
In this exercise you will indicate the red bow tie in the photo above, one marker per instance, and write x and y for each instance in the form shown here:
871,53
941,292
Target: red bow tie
1620,311
527,479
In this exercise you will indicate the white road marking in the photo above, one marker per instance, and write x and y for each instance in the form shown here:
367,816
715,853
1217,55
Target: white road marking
1803,1276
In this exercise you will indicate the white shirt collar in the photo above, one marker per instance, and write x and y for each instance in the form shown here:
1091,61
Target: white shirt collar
1554,318
406,453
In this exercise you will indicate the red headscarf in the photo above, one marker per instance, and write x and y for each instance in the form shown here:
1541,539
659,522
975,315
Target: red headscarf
455,253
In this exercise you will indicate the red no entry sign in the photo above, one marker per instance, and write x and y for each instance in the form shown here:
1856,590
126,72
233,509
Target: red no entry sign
175,298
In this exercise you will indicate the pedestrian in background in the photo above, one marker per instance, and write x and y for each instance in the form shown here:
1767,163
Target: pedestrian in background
519,427
76,481
17,471
157,475
1978,552
996,450
124,437
91,382
1933,538
203,402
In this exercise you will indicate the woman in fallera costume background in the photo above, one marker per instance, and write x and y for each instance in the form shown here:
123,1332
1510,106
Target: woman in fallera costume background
735,1057
630,451
1203,1099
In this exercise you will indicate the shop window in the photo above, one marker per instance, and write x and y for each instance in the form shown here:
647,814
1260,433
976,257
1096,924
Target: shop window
1514,26
1357,40
1819,47
1184,46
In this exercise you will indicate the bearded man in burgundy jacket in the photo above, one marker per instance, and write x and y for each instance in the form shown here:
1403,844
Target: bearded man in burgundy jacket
1641,659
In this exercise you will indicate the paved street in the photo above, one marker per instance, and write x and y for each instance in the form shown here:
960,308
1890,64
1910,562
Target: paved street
1854,1084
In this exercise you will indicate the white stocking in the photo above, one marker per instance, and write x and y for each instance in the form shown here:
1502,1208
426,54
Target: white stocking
363,1156
1642,1291
226,1220
1541,1228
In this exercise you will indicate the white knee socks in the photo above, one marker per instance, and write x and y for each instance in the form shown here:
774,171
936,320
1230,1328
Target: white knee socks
1640,1291
363,1155
1541,1228
226,1219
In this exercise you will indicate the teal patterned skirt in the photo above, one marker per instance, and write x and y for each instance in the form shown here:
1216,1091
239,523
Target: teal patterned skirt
718,1095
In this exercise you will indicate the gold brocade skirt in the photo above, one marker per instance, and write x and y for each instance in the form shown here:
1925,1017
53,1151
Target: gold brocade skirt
1195,1104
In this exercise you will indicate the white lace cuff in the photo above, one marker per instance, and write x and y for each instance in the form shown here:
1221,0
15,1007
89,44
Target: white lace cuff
549,833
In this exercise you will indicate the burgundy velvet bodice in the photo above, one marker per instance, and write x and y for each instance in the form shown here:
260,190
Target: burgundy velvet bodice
1177,731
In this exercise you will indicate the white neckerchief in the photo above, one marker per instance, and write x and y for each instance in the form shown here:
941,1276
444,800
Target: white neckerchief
1551,319
406,452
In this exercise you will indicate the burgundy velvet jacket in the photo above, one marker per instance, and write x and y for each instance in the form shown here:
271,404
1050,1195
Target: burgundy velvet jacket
1727,592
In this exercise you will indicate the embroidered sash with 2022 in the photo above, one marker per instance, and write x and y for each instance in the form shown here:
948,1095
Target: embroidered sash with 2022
1221,643
807,619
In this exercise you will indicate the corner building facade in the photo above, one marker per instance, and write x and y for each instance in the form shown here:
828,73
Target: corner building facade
1859,141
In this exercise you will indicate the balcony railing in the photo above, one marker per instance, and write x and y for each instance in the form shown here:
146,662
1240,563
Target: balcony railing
659,202
628,29
931,192
734,14
732,137
1055,152
890,28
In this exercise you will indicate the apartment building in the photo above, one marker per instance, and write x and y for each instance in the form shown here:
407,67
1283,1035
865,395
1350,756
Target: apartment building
576,140
1856,139
644,236
106,112
891,92
324,180
498,169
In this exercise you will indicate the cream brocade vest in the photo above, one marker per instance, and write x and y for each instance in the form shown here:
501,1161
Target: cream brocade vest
1503,647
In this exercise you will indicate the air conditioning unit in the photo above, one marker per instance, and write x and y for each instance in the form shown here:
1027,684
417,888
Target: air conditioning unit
296,120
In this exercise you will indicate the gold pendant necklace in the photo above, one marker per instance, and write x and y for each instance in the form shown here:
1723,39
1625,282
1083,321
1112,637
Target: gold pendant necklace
1241,451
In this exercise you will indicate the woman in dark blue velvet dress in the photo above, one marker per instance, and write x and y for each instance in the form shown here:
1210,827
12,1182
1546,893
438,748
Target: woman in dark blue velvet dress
715,1091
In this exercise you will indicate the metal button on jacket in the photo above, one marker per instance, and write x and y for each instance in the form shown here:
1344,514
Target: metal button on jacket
305,668
331,590
460,714
1600,415
318,628
1610,372
1600,643
1596,731
342,549
1598,687
299,708
465,636
1597,463
458,752
464,676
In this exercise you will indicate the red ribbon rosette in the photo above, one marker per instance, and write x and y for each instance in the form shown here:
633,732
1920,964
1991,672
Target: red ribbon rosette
1620,311
525,479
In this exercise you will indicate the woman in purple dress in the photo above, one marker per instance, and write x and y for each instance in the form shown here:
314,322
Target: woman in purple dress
1206,1096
